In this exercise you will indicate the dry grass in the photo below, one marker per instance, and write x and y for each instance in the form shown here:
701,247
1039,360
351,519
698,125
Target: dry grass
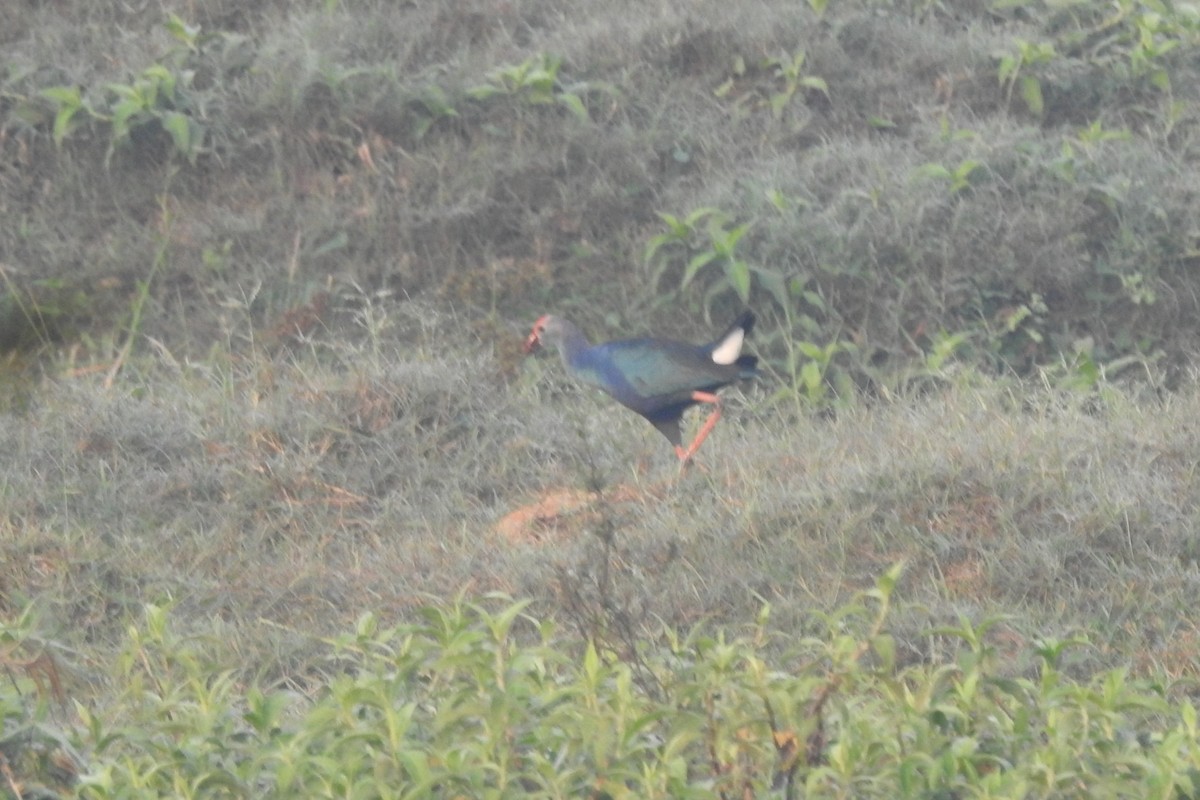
275,498
321,408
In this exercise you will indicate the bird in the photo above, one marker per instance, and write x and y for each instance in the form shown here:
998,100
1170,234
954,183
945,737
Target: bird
658,378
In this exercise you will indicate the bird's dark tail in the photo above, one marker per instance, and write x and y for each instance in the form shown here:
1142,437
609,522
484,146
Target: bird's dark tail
745,321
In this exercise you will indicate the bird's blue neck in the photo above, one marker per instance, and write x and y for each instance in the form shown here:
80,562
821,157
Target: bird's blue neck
572,346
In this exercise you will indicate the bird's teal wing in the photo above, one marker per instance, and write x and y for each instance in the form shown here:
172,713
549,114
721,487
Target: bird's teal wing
656,368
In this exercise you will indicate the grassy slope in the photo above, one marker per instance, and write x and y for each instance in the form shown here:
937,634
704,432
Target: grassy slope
274,487
303,494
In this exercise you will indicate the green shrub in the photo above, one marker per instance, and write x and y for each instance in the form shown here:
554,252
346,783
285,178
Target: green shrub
481,700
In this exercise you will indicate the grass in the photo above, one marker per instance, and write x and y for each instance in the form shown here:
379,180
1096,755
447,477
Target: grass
367,482
262,291
363,484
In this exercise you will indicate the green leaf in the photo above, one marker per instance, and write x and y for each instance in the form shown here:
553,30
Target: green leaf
813,82
501,622
1031,90
886,583
366,625
180,128
483,92
122,113
724,241
737,233
181,31
775,284
811,350
652,247
62,123
697,262
1008,68
576,106
63,95
693,218
69,101
415,765
673,222
885,647
812,298
810,376
934,171
591,664
158,78
738,273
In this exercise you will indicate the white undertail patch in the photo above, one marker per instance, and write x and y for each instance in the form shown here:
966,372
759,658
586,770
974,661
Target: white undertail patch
730,348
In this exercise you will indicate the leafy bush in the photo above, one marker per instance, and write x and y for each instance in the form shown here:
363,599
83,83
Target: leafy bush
480,700
535,82
162,98
36,760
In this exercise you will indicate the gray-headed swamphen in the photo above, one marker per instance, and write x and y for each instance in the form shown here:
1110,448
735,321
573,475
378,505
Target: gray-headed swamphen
657,378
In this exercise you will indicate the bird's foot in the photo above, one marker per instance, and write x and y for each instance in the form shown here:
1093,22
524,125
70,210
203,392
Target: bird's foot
686,461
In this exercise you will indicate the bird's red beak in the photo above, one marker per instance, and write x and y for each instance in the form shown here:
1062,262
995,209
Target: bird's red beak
532,343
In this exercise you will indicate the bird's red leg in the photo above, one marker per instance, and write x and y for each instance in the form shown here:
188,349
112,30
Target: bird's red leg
705,429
